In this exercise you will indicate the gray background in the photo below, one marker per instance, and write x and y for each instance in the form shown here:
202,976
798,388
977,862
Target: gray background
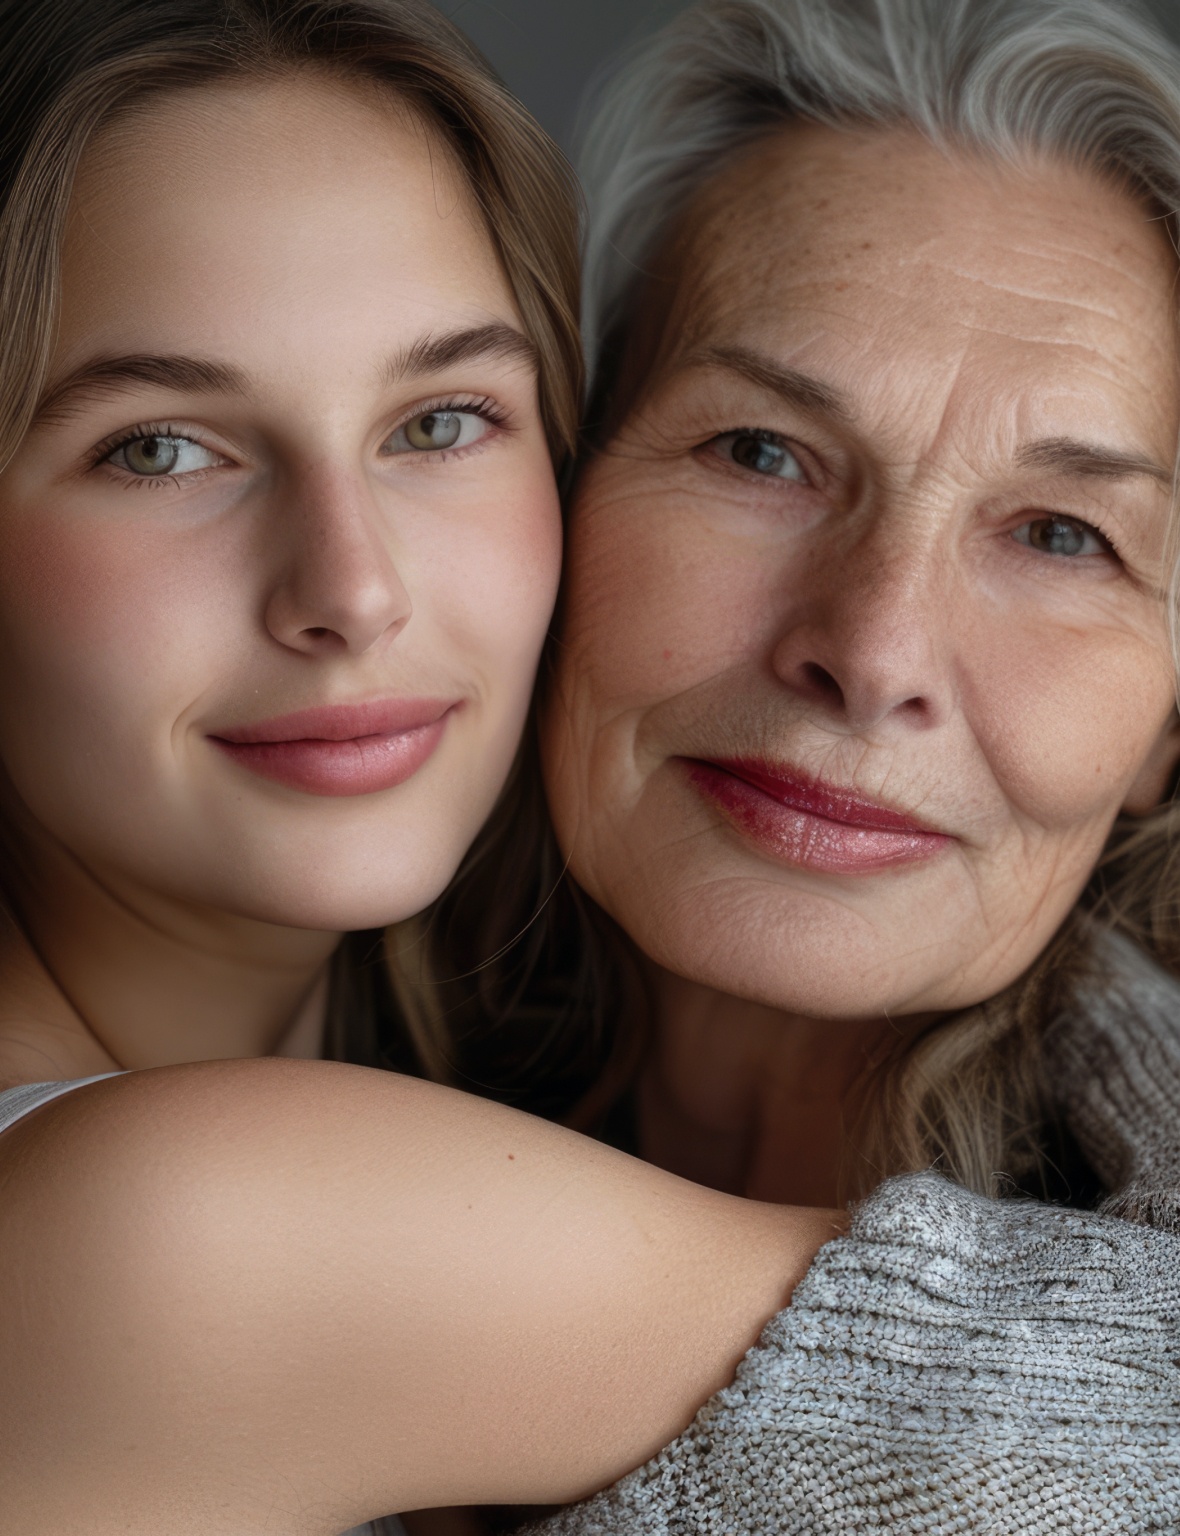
549,51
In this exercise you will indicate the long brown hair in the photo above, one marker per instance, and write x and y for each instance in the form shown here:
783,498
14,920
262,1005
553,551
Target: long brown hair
68,68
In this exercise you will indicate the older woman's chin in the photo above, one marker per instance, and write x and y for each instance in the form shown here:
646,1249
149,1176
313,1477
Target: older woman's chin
808,947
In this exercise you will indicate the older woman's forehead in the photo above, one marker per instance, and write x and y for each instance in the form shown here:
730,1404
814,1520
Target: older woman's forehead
878,250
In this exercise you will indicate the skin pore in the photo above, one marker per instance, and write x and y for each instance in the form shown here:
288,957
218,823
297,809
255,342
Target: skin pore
863,641
307,546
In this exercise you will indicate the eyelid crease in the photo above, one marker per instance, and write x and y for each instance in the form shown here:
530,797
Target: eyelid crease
103,450
481,405
1077,522
802,456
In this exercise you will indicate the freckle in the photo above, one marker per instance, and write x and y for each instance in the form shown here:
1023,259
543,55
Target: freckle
867,246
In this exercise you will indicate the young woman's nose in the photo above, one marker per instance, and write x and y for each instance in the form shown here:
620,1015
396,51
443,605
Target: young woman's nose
866,638
337,587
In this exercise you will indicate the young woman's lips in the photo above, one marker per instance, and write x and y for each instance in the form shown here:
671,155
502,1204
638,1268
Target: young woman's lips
806,822
341,749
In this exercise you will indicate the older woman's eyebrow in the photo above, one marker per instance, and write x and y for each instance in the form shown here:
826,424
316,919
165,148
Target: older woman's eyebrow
798,389
433,353
102,376
1069,456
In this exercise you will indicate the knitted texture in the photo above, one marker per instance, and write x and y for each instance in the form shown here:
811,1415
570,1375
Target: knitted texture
1114,1062
957,1364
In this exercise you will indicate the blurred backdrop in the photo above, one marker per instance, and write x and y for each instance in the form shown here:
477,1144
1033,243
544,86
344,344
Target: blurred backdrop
549,51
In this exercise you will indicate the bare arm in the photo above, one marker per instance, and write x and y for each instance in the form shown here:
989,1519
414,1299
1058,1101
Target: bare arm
289,1296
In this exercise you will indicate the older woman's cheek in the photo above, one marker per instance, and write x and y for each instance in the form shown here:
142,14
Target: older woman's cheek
1061,713
663,596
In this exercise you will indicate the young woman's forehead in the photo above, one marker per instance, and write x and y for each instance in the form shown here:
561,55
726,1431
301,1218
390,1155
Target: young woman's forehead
275,193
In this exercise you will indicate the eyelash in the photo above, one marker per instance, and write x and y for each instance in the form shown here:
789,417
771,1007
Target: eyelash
483,406
765,435
789,445
111,445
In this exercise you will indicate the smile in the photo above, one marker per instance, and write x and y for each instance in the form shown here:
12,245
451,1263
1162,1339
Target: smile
806,822
342,749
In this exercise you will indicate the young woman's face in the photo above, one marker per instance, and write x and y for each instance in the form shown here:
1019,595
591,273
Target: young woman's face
281,549
864,646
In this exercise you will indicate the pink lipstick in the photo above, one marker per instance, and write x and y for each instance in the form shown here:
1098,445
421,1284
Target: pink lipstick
804,821
341,749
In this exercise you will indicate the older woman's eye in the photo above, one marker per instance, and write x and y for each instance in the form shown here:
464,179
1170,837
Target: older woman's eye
435,430
155,455
1061,536
762,453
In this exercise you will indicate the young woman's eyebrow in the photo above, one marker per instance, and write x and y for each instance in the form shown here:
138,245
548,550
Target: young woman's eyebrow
434,352
109,375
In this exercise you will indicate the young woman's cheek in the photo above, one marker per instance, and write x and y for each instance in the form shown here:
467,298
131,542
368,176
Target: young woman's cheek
108,633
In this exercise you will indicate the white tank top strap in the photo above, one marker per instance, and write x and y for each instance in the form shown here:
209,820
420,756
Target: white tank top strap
16,1103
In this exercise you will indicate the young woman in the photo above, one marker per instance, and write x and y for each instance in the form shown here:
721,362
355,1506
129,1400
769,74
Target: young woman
289,355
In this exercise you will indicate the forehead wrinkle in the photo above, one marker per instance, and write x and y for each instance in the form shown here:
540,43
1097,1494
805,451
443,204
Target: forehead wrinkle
1062,301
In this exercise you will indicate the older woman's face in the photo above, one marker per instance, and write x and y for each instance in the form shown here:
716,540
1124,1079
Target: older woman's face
863,647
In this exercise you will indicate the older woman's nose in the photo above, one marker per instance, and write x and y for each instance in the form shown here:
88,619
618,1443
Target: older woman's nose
337,587
867,638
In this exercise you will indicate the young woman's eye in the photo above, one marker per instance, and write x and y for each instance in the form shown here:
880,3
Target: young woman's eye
155,456
1061,536
762,453
436,430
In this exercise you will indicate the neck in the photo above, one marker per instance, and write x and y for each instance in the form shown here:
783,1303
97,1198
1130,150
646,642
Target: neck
110,977
750,1100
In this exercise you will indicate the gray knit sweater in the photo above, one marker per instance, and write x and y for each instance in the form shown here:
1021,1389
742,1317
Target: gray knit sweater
957,1364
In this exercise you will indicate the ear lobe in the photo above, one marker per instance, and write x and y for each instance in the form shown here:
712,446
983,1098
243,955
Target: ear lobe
1157,777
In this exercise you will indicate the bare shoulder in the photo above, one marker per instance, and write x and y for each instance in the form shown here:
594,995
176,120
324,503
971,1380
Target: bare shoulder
413,1298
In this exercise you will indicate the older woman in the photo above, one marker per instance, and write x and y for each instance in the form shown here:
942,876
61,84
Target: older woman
865,667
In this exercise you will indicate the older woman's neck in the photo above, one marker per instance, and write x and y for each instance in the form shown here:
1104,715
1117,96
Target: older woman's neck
750,1100
99,977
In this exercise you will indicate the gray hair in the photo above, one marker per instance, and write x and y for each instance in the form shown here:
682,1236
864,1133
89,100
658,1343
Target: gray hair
1093,82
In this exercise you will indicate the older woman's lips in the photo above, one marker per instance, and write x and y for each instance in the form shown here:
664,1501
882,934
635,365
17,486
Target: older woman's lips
806,822
341,749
